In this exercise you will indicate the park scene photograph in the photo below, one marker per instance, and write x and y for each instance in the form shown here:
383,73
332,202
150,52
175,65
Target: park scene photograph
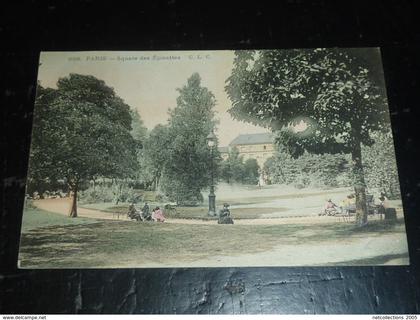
162,159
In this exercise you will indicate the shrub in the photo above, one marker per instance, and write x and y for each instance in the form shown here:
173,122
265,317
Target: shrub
110,193
380,167
326,170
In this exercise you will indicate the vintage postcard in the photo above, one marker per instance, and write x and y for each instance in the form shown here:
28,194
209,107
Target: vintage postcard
212,159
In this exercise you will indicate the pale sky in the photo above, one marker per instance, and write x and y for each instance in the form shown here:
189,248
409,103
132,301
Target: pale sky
147,80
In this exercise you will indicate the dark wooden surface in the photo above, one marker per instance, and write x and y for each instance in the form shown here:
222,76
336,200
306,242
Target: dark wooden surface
88,25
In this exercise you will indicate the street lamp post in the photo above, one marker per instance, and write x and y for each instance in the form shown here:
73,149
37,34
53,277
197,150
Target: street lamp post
211,142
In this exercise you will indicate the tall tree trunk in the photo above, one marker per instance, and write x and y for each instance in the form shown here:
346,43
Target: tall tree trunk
119,191
73,210
157,181
359,185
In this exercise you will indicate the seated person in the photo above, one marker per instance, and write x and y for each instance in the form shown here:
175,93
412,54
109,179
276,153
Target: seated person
224,215
146,212
348,204
133,213
224,212
330,208
157,215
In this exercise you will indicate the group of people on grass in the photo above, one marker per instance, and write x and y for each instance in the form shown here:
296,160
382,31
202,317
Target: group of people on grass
144,214
157,214
348,205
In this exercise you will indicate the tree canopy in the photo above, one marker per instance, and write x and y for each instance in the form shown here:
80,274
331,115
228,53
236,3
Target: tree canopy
337,93
315,170
381,167
81,130
188,165
318,100
235,169
138,130
155,154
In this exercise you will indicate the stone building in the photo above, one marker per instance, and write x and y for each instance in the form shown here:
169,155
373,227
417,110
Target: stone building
259,146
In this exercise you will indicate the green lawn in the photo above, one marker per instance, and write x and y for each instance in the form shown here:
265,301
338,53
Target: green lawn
85,243
35,218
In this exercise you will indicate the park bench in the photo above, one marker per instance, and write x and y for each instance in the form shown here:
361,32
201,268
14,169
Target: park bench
170,209
370,203
387,213
345,217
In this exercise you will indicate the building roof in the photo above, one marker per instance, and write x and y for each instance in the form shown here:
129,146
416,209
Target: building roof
255,138
223,149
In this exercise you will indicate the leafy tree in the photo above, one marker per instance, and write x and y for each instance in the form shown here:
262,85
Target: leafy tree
277,166
156,154
138,130
308,170
140,136
337,93
41,180
226,171
380,165
251,171
81,130
188,166
232,169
